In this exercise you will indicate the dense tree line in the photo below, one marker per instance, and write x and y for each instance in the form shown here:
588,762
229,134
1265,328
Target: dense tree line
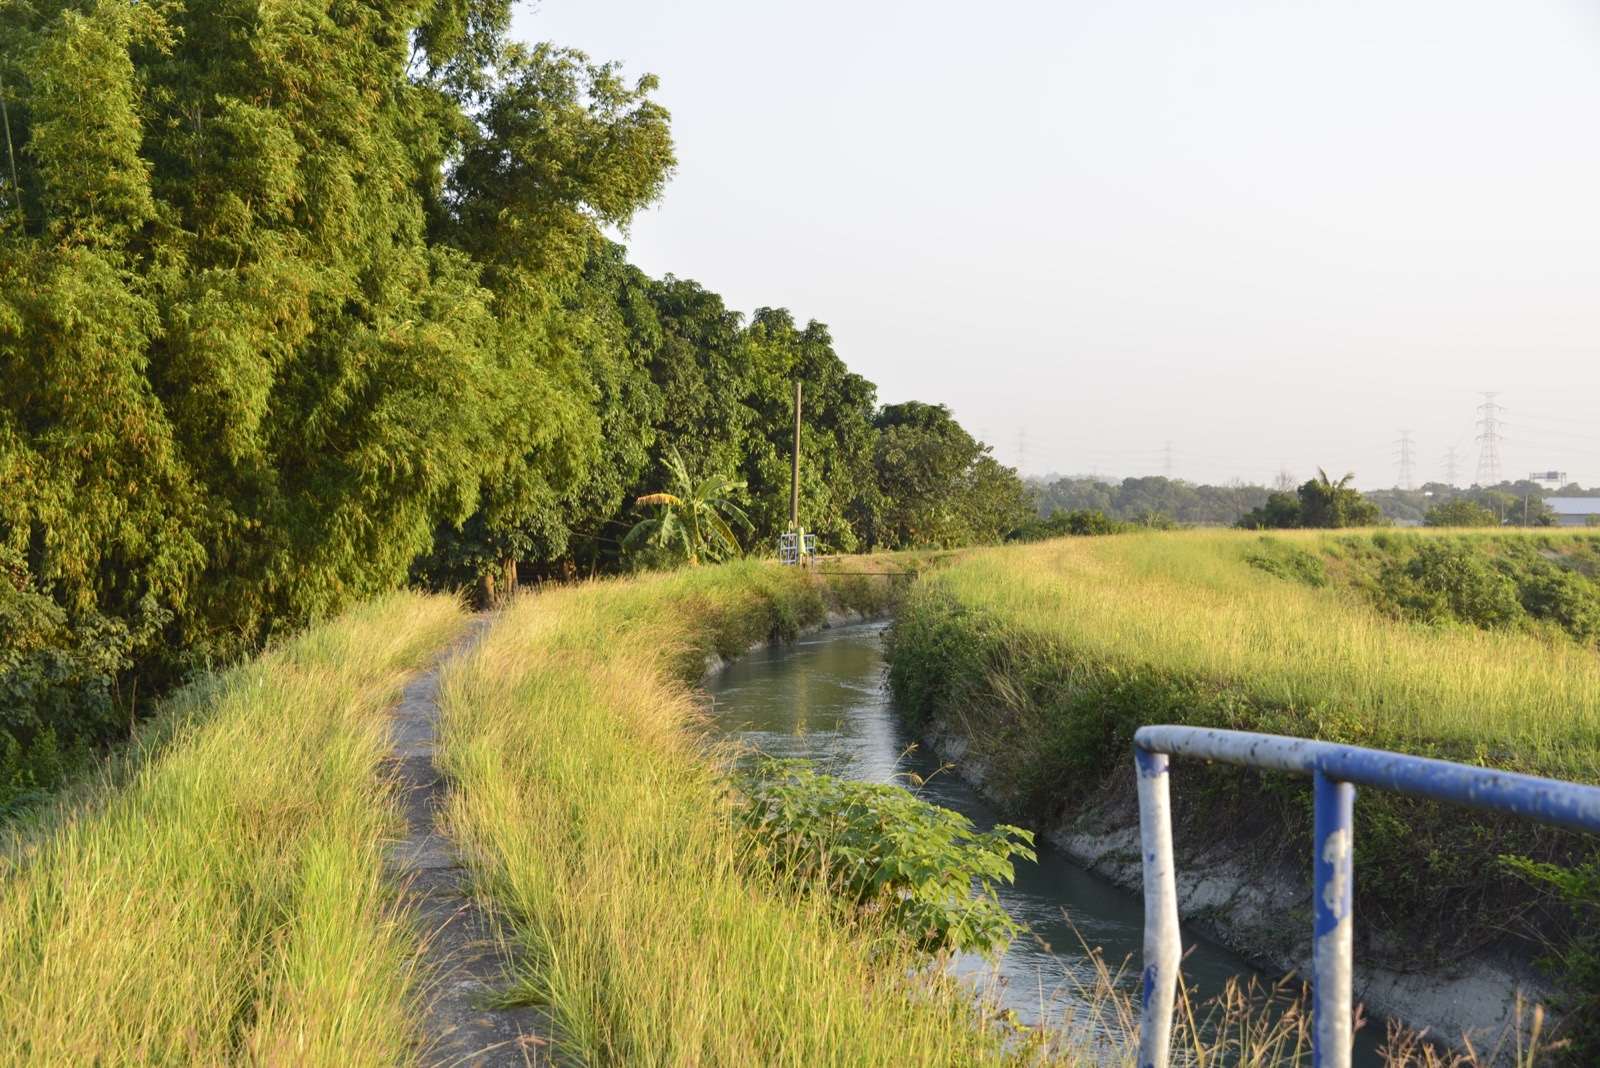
1157,501
1149,500
1320,503
299,302
1519,503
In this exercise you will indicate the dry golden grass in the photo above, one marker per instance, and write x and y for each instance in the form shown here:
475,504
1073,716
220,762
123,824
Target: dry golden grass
594,818
595,822
220,897
1188,602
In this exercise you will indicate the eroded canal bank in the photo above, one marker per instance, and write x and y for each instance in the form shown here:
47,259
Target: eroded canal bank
823,699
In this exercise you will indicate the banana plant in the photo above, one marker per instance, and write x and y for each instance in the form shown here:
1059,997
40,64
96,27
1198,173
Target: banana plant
694,518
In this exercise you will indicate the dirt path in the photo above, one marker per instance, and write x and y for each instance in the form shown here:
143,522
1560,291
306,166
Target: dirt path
462,961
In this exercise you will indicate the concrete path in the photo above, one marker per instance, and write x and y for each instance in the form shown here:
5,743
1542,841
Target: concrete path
462,962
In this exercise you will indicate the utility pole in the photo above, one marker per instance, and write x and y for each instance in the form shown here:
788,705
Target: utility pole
1489,426
794,479
1451,465
1405,458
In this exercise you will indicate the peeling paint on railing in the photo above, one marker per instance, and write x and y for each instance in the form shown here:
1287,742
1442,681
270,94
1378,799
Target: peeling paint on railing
1336,771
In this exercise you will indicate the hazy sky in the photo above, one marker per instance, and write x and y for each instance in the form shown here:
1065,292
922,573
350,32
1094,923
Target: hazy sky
1272,234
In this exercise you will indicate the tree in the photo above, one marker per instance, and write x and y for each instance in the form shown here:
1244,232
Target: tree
693,520
937,485
1328,504
1281,511
1460,513
297,305
836,429
560,147
238,386
1134,498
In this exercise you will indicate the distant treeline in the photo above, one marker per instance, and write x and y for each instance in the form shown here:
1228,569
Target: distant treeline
1519,503
301,304
1155,501
1149,500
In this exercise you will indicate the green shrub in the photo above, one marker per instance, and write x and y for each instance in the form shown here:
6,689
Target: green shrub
1079,522
1564,598
1444,582
58,678
880,846
1460,513
1288,562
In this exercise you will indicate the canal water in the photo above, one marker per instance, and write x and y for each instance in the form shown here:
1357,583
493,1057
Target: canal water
824,699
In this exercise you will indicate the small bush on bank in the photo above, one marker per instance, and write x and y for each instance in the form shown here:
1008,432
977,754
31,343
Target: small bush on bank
880,847
1287,561
1080,522
1446,582
1578,888
1563,598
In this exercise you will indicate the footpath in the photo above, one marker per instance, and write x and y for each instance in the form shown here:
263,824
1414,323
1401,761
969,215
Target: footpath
462,961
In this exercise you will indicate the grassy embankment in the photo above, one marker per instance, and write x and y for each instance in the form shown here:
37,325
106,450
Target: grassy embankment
594,819
1049,656
217,894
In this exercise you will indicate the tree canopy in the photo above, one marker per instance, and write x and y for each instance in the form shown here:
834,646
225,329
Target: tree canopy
1320,502
302,302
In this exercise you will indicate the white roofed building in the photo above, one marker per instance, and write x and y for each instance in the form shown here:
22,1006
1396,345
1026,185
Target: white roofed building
1575,511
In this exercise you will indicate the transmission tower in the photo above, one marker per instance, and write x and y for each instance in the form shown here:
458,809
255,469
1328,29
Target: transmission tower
1022,450
1451,466
1166,459
1405,458
1489,427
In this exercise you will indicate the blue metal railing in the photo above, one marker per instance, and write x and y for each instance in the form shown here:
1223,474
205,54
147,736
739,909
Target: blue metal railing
1336,770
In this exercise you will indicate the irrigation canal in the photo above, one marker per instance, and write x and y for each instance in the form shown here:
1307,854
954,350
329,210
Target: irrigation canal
824,699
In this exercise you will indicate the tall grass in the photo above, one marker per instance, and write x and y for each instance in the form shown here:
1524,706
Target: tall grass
219,896
1188,603
1048,657
595,821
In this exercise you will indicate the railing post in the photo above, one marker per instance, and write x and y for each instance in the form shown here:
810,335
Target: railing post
1332,926
1162,944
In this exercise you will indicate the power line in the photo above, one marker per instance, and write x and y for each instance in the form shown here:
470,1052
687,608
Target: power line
1489,427
1405,458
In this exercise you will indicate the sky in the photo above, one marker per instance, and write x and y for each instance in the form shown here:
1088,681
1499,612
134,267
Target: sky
1219,240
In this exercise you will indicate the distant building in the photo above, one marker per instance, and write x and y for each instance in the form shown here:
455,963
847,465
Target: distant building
1575,511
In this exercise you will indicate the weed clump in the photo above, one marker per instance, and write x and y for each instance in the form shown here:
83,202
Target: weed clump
879,847
1442,582
1286,561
